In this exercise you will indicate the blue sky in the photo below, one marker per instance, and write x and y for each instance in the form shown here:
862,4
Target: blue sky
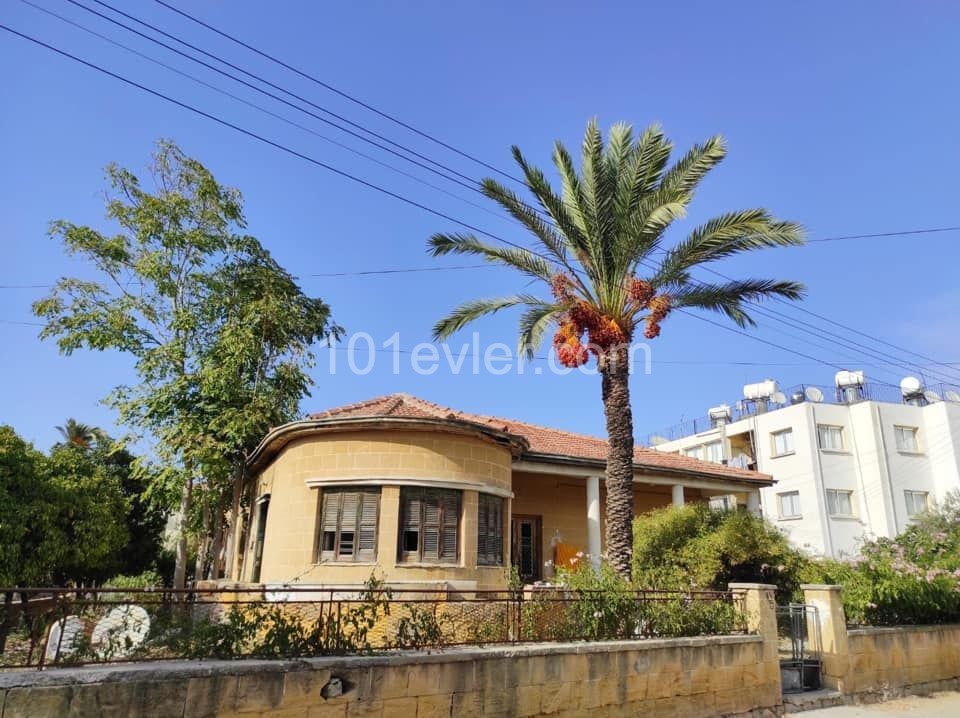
840,116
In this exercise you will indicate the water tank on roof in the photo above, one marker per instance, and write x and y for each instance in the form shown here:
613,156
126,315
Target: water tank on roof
719,415
761,390
843,379
910,385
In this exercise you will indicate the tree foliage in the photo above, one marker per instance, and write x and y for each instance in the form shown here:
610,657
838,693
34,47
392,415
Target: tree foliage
602,253
63,517
219,333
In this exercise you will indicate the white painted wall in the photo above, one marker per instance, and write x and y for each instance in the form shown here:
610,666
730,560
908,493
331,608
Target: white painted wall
869,466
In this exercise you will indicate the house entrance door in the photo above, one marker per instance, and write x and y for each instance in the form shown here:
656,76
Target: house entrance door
525,543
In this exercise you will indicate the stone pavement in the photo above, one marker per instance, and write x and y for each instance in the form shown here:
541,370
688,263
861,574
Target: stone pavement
936,705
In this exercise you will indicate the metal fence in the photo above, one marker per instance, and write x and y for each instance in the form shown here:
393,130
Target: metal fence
870,391
60,627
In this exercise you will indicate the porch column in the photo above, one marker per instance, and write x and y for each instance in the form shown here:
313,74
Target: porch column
753,502
677,491
593,519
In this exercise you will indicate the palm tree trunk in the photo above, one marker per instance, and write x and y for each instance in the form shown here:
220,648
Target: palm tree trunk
615,371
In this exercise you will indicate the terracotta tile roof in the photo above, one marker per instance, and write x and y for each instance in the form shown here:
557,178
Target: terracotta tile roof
543,440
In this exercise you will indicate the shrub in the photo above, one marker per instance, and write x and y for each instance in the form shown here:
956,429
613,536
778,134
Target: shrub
694,547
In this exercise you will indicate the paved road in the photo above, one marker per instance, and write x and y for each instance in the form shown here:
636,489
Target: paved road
940,705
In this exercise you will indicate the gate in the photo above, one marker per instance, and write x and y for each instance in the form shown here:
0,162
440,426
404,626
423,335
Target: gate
798,633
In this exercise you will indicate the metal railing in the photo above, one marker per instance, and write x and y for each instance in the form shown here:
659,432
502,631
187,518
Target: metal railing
874,391
59,627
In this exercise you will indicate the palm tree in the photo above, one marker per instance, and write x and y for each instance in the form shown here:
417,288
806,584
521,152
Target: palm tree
82,435
600,253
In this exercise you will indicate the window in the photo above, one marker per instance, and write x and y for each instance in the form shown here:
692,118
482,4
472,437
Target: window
839,503
348,524
490,530
429,525
782,442
830,437
713,452
788,504
263,507
906,437
917,502
706,452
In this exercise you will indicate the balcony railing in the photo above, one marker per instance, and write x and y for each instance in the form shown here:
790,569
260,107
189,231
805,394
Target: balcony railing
63,627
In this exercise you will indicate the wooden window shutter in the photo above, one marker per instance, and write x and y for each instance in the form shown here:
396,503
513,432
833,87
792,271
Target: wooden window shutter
490,530
450,525
367,526
431,526
329,515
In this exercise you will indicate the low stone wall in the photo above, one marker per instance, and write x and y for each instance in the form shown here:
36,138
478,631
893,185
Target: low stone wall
872,663
904,659
710,676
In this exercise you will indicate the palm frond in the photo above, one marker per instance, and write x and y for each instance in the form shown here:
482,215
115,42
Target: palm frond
729,298
724,236
472,310
533,324
521,259
528,217
686,174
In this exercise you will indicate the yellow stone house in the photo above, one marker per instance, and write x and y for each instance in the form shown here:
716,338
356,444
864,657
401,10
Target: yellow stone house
424,495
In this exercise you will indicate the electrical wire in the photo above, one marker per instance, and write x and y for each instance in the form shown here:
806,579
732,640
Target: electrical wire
343,94
300,155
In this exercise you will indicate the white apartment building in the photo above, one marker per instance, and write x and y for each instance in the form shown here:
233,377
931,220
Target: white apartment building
851,461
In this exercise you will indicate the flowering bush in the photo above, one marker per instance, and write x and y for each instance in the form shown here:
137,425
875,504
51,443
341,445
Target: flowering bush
912,579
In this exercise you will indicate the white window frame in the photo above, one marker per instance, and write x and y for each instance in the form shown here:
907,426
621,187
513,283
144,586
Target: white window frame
823,429
713,452
910,496
913,432
694,452
795,504
774,435
833,503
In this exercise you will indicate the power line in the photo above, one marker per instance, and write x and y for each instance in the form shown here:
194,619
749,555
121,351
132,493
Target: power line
312,160
264,140
452,148
264,110
902,233
471,184
906,364
343,94
104,4
213,56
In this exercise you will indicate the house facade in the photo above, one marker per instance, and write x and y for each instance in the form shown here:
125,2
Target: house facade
851,462
425,495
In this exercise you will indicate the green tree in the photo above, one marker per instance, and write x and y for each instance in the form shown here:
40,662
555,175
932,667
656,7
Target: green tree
31,540
82,435
600,251
160,299
91,513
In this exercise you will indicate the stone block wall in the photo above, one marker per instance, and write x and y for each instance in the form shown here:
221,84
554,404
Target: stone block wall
903,659
710,676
